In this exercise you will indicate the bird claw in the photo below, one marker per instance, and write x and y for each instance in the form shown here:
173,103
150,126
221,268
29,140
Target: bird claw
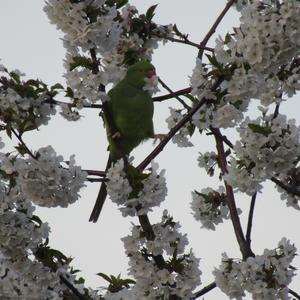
159,137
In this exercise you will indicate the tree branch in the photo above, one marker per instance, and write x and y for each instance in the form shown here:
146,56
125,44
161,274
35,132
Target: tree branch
297,296
95,173
99,106
185,41
289,189
224,138
173,94
204,290
169,136
244,247
214,27
56,102
250,219
73,289
19,137
175,129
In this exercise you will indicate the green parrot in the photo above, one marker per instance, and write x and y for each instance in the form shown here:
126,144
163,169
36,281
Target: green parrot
131,109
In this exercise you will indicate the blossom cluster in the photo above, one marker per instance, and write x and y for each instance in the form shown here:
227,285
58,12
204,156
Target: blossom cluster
152,193
46,182
265,276
208,161
23,105
98,31
261,57
24,273
22,276
267,147
180,275
209,207
290,188
181,138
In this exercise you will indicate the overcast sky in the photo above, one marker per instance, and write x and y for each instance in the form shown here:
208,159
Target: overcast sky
31,44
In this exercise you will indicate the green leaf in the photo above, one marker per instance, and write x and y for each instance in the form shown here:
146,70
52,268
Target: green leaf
260,129
15,76
212,59
190,97
191,128
69,92
150,12
8,130
126,282
178,33
37,220
22,149
81,61
227,38
57,86
117,3
137,25
121,3
131,57
105,277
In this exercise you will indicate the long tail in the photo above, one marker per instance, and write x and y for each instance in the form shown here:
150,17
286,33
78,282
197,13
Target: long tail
101,197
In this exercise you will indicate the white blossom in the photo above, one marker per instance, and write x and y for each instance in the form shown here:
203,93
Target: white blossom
151,280
181,138
46,182
268,147
210,207
266,42
1,143
68,113
118,187
153,190
265,276
208,161
24,110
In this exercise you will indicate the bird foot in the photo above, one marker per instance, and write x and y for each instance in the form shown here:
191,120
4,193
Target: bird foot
159,136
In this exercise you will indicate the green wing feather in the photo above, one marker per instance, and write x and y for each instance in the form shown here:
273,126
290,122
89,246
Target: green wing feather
132,112
131,109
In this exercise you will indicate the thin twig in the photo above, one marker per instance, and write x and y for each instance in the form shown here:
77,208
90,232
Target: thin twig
175,129
172,93
92,180
296,295
250,220
289,189
95,173
149,234
56,102
221,136
99,106
186,41
73,289
204,290
169,136
214,27
276,111
244,247
19,137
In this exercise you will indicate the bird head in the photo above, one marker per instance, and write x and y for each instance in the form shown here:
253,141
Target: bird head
137,73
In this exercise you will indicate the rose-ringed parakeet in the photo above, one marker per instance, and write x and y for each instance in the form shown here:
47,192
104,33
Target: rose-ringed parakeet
131,110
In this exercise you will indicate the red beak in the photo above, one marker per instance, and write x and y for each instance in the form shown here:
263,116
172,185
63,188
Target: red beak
151,73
